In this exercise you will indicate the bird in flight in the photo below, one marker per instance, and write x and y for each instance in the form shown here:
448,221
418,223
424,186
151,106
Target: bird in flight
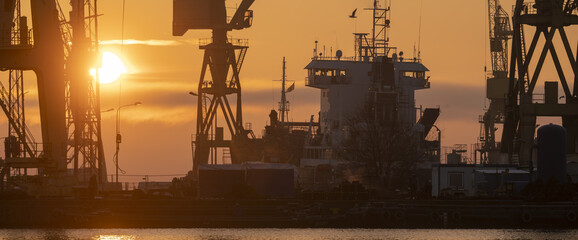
353,14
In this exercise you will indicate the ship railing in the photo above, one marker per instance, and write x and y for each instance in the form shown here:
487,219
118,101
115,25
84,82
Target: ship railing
318,152
326,80
309,80
322,58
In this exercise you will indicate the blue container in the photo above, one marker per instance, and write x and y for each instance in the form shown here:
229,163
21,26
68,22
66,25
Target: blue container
552,153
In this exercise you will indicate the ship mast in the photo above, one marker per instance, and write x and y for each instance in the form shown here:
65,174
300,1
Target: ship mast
380,30
283,105
378,44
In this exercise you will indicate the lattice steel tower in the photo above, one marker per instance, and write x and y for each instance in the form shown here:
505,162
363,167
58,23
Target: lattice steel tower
547,17
85,149
223,55
496,85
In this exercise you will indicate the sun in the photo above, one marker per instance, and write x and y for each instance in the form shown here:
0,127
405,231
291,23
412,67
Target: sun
111,69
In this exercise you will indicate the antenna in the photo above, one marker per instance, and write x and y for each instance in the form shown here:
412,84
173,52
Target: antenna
315,49
419,32
284,104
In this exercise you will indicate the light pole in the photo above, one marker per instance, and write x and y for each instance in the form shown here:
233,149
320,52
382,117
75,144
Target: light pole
118,136
213,160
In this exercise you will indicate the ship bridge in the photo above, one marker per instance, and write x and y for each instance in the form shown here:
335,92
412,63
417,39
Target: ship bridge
347,84
323,73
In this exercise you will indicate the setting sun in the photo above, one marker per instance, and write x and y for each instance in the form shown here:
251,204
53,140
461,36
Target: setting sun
112,68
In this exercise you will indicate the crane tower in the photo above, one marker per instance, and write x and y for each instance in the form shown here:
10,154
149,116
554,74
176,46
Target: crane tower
85,148
61,53
43,53
223,56
549,18
497,83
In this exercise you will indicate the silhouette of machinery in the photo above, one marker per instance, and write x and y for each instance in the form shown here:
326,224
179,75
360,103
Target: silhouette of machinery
60,52
223,59
497,83
548,18
45,56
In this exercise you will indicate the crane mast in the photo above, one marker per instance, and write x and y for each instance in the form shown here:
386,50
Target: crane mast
549,18
222,61
85,148
500,32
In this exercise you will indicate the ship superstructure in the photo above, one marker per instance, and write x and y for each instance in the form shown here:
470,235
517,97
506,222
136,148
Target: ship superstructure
378,77
368,118
347,85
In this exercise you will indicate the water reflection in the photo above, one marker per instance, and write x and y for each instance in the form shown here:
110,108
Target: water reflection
282,234
53,234
114,237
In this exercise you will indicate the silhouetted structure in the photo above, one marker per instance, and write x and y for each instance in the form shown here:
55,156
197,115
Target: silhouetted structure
222,55
497,83
547,17
61,53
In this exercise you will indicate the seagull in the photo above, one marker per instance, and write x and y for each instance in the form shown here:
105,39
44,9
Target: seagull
353,14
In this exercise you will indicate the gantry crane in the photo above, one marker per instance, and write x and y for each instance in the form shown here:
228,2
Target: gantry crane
497,83
222,57
547,17
61,53
45,56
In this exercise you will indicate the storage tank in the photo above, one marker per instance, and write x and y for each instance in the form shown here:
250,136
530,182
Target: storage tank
552,153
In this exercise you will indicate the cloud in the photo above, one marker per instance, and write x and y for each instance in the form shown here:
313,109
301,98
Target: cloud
159,114
462,102
149,42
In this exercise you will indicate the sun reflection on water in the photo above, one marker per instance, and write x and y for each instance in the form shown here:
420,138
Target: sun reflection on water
114,237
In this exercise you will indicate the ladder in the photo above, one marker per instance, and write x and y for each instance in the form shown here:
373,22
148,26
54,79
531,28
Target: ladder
526,81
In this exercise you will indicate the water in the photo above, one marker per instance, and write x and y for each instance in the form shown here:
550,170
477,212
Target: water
282,234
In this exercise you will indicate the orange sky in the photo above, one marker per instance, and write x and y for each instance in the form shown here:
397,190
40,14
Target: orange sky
163,68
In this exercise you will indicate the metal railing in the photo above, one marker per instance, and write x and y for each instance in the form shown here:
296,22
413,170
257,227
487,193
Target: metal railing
333,58
530,8
235,41
326,80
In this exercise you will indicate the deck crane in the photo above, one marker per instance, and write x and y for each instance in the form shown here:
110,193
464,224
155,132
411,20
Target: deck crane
547,17
500,33
60,52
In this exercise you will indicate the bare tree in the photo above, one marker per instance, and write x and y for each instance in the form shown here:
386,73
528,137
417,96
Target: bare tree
389,150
